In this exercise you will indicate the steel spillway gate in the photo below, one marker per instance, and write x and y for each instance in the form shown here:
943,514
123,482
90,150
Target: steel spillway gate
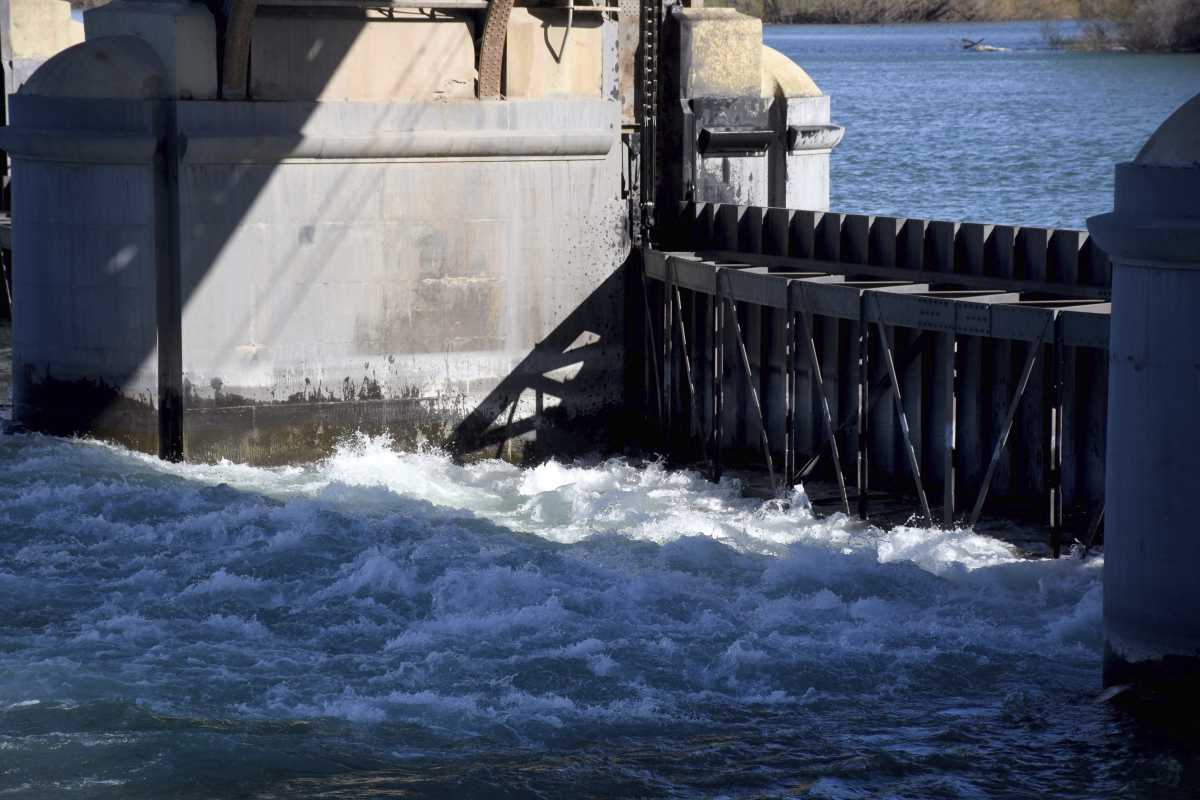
962,364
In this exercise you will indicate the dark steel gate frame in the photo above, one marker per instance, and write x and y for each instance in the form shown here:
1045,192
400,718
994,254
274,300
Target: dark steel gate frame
933,296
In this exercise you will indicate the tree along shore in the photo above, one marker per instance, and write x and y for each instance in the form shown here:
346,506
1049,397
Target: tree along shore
1140,25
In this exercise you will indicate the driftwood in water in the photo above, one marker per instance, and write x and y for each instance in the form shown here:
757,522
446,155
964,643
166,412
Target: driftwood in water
978,46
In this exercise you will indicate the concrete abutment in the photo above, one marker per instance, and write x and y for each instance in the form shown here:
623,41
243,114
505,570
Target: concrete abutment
251,233
1151,595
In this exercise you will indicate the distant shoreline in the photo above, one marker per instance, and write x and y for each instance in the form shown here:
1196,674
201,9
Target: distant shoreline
883,12
789,21
829,20
1133,25
786,21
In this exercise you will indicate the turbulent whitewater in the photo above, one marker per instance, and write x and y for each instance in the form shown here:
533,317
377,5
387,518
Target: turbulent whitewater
380,622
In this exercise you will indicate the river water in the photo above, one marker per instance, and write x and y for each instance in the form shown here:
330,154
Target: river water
386,624
1024,137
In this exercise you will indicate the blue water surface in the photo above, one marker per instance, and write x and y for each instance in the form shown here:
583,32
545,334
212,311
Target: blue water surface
1025,137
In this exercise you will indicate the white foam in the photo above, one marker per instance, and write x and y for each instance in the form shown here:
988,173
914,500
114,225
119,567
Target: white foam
222,581
380,586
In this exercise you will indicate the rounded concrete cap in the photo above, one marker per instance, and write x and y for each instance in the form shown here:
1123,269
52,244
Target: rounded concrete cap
1155,221
782,77
1176,143
122,67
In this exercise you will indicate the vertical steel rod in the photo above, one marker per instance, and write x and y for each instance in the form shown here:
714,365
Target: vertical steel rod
864,364
825,407
696,425
718,376
1002,439
886,349
1054,476
512,412
879,390
789,388
951,434
668,361
651,345
1093,529
749,374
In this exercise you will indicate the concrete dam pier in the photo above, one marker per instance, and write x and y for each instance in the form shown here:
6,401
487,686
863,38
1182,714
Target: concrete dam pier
253,232
247,229
1152,550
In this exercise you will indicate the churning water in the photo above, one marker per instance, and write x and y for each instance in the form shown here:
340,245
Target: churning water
604,629
383,624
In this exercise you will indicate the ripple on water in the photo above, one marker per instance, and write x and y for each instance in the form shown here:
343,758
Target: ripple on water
400,618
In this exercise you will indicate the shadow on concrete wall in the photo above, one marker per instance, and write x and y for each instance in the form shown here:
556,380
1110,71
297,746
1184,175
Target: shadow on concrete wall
219,421
563,379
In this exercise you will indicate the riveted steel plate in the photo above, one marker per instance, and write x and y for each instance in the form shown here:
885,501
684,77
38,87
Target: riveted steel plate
1024,323
924,313
1086,326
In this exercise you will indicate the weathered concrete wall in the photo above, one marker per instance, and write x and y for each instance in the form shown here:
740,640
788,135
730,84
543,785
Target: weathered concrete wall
182,34
87,246
267,277
401,259
326,286
1152,552
30,32
749,125
410,56
720,53
359,246
805,175
628,43
542,57
41,28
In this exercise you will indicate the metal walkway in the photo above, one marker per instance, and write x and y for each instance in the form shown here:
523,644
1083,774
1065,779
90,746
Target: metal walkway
963,364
